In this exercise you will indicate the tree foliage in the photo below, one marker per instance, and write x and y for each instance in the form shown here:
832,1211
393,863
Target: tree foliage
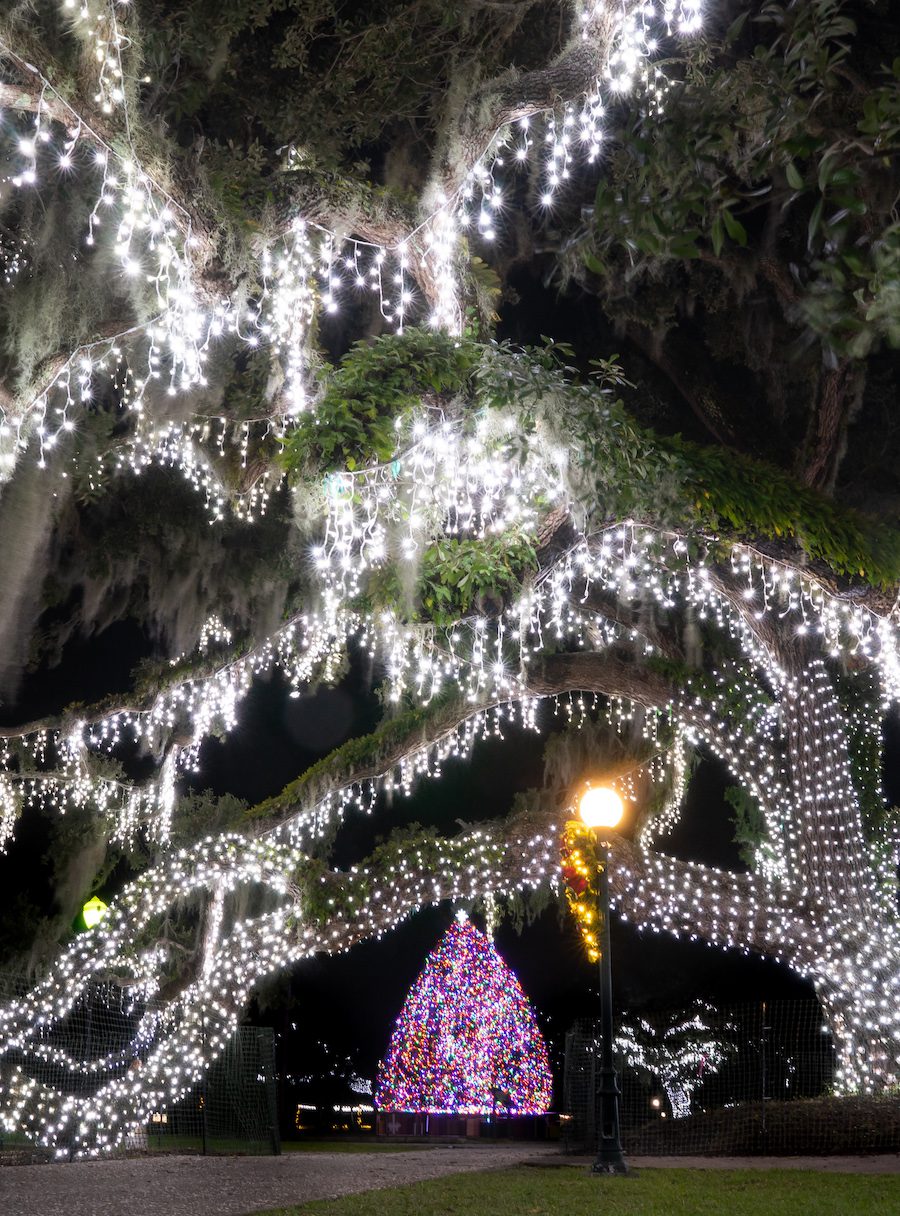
765,187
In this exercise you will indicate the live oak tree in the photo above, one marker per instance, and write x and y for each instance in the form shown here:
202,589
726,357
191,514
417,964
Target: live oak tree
677,1050
746,244
247,255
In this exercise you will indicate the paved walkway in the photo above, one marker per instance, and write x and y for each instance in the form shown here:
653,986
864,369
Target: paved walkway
231,1186
235,1186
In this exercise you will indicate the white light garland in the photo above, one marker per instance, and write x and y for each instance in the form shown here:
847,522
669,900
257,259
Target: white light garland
307,270
98,23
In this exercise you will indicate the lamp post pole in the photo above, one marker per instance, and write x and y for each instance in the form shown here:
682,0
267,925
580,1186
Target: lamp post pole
609,1145
601,809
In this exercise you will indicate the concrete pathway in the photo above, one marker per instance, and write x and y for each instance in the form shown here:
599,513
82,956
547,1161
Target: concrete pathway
231,1186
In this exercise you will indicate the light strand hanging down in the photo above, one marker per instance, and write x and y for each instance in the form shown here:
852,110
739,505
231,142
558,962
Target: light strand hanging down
153,239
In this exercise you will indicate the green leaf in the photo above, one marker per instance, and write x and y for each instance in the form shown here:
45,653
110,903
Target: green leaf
814,221
826,169
734,30
717,235
734,227
684,246
594,265
795,181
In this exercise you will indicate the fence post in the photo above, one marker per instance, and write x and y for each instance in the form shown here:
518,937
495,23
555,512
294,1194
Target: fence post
271,1099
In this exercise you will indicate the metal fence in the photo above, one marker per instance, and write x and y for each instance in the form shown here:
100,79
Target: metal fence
753,1078
233,1109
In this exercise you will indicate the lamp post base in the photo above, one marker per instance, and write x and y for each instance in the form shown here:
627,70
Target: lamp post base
609,1161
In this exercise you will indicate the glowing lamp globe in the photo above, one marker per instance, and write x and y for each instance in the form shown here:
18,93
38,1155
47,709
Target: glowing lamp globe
600,807
93,912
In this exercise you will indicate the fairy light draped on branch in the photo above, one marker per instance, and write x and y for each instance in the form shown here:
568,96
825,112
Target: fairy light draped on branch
151,239
96,20
309,269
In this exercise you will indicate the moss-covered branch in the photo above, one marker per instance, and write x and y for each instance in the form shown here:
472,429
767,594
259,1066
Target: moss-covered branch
366,758
520,857
620,469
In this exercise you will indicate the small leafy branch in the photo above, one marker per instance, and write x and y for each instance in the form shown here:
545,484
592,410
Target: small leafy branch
373,388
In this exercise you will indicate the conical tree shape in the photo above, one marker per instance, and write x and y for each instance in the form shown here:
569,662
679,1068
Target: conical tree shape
466,1030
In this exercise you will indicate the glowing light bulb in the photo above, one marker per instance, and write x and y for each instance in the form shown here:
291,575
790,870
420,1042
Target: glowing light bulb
600,807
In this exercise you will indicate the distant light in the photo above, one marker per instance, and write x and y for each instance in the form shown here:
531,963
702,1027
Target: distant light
94,911
600,807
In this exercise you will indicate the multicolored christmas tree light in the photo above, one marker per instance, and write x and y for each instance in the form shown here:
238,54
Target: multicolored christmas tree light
466,1041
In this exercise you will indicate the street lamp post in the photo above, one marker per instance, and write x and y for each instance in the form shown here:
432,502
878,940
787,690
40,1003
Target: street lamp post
602,808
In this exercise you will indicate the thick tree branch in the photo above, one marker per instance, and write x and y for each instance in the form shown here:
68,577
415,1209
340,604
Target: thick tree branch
777,642
839,394
522,853
514,95
722,907
18,100
614,674
404,739
642,620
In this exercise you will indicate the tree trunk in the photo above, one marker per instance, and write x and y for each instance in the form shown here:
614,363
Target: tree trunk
858,987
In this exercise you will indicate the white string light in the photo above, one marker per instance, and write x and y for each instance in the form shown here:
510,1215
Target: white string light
307,270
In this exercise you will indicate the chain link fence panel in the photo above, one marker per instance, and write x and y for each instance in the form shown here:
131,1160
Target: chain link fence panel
749,1079
107,1033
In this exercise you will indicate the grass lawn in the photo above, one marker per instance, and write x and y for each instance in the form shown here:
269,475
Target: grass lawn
13,1140
653,1192
170,1142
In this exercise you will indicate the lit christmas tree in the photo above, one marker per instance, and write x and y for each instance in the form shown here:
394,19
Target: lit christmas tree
466,1040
